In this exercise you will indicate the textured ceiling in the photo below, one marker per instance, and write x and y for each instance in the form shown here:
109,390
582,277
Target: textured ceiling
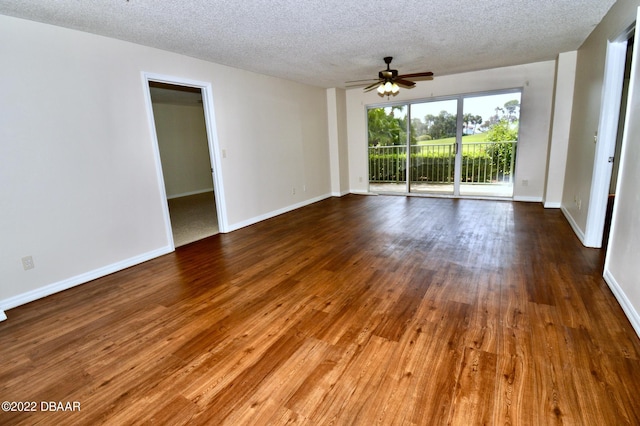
325,43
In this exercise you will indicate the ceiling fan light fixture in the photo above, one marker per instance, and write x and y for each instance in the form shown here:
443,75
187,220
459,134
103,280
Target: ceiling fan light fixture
388,88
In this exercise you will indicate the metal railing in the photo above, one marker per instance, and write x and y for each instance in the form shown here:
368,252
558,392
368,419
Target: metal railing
433,163
482,162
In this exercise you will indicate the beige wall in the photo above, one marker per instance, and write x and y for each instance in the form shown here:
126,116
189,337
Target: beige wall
587,102
336,103
560,126
622,269
536,81
80,190
182,138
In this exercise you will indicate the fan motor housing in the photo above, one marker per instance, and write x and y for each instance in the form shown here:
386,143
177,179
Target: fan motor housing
387,74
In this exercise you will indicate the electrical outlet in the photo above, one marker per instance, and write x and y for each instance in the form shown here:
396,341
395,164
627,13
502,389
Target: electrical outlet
293,191
360,179
27,263
525,182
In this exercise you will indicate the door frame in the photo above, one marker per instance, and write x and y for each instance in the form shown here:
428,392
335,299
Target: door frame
212,141
605,138
623,291
460,117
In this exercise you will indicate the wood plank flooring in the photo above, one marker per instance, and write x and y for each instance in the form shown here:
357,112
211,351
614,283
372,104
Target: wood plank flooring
355,310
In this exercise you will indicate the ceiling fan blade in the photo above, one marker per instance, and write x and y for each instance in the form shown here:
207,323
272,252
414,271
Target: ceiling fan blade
351,86
372,86
404,83
361,84
417,74
361,81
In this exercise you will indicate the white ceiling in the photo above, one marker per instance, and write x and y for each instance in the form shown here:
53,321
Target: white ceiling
325,43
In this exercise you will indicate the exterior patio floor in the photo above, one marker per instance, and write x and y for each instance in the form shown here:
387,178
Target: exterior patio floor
500,190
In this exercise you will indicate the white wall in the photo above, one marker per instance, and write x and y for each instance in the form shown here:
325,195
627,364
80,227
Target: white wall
587,101
338,148
622,269
182,138
79,187
560,125
536,81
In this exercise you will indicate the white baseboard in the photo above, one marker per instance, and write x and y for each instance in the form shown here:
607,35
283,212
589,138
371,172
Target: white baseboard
359,192
186,194
527,199
256,219
573,224
624,302
339,194
68,283
552,205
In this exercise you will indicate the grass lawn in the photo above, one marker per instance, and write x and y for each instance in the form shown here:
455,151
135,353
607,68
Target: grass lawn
478,137
440,148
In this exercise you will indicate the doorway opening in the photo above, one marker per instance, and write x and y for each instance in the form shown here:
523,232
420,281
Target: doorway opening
618,143
609,139
186,162
460,146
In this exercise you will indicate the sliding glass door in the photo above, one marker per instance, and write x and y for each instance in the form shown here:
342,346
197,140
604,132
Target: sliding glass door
388,133
461,146
433,147
489,142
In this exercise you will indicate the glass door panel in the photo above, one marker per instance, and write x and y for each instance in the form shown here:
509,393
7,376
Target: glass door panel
465,146
489,142
387,134
433,147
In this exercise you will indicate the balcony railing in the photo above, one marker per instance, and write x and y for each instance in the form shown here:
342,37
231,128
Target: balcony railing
482,162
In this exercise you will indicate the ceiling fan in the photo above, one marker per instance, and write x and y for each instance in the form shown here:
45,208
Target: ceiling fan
388,80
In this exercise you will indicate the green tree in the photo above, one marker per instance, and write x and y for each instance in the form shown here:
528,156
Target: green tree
384,128
502,131
501,153
512,110
418,127
470,121
442,125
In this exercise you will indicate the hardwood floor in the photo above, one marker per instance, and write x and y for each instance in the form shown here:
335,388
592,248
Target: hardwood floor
358,310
